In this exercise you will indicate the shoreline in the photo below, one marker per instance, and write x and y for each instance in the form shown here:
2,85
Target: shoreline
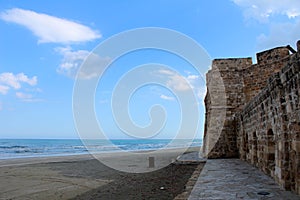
84,177
73,157
32,148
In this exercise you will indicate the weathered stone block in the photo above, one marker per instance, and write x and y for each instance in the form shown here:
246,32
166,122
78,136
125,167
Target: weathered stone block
296,146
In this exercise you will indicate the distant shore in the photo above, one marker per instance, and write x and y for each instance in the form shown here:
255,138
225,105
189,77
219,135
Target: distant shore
83,177
30,148
77,157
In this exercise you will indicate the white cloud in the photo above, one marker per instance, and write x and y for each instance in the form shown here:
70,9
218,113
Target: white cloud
198,85
166,72
4,89
262,10
72,61
34,90
279,36
201,92
184,83
281,33
178,83
26,97
174,80
192,77
169,98
15,81
22,95
49,28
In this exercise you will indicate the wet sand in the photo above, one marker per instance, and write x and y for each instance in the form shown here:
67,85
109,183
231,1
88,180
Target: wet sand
83,177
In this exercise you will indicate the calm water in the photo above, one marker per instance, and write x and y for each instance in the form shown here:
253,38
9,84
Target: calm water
18,148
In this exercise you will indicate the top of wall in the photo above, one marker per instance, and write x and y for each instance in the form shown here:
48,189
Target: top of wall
241,76
272,55
231,63
279,79
263,58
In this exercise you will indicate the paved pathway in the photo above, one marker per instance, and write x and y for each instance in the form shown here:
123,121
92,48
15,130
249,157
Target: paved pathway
192,157
235,179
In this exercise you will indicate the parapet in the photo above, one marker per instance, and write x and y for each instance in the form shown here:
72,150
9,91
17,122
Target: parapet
272,55
231,64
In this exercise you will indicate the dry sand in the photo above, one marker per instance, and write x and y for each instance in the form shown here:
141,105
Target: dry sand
83,177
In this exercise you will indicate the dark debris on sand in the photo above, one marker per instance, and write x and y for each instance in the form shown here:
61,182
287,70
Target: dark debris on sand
163,184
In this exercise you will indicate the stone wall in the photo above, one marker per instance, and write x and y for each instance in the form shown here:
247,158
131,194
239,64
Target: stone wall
255,77
224,98
258,119
269,127
231,84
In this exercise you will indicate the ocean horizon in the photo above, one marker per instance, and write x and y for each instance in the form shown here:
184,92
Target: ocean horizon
26,148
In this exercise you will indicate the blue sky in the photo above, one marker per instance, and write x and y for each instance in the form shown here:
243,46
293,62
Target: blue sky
44,43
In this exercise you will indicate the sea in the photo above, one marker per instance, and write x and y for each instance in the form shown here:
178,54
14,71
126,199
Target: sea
22,148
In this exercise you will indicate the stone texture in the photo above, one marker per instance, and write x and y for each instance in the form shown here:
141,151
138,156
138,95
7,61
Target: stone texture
236,179
258,117
224,98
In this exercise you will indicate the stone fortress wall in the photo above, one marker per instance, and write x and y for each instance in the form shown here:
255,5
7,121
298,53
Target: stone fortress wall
253,112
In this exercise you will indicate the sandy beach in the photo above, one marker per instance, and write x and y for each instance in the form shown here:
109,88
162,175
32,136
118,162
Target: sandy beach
84,177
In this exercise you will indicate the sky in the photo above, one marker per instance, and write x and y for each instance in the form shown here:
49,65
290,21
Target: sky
43,45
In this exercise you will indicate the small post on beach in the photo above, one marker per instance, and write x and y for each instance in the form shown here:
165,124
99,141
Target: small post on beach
151,162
